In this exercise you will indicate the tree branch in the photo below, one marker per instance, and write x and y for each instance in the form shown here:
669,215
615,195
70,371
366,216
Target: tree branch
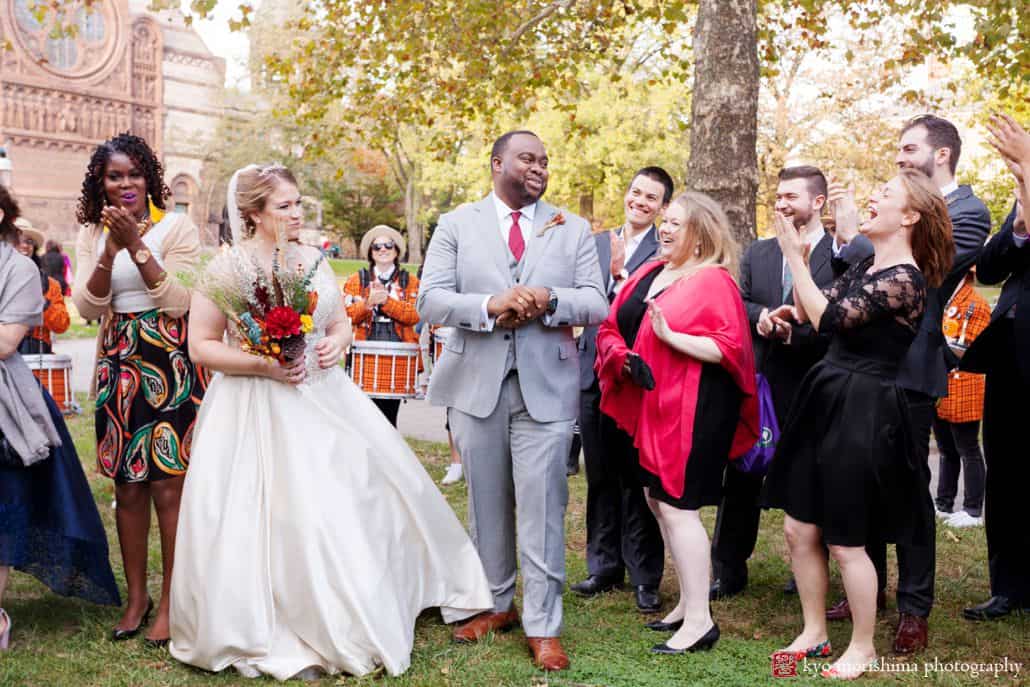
533,21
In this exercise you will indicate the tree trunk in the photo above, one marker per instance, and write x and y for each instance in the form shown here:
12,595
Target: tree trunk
724,110
411,219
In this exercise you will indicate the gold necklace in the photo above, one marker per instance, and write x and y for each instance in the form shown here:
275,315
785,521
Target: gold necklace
144,225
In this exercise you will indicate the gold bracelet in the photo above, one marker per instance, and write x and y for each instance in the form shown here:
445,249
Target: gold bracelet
102,266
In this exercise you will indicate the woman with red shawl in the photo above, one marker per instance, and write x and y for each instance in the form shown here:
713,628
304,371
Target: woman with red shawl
681,382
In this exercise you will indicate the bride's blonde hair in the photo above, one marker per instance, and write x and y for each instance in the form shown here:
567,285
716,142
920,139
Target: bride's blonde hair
253,187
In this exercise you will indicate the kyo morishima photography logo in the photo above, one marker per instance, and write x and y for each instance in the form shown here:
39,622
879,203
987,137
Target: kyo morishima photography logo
787,665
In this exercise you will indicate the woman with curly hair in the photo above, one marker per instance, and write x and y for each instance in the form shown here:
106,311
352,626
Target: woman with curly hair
148,390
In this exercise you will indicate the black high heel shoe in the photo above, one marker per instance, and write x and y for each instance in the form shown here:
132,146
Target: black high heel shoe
704,644
659,626
118,635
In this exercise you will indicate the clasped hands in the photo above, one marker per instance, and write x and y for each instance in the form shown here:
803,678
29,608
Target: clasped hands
518,306
122,228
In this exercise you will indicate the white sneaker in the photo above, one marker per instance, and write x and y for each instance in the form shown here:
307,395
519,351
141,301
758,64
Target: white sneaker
963,519
942,514
453,475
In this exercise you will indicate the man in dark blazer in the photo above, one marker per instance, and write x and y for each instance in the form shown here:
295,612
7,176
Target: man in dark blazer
622,534
1002,351
783,354
930,144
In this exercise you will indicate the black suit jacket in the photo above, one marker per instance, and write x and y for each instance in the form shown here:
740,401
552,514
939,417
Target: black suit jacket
926,365
588,339
761,286
1002,261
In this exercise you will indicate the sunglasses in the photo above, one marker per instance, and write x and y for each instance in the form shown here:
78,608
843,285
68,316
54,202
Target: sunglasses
389,245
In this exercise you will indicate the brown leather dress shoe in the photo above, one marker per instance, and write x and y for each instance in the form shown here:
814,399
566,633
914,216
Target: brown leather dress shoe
547,653
485,623
842,610
911,635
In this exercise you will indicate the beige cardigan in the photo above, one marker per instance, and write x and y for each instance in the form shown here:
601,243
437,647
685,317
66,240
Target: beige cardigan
180,251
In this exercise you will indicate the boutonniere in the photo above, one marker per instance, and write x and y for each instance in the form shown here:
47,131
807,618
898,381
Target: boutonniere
556,220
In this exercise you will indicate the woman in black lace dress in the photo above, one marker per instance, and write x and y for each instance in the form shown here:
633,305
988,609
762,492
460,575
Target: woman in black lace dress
844,471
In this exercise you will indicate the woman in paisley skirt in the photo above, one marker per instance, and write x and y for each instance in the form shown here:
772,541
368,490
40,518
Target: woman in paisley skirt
148,391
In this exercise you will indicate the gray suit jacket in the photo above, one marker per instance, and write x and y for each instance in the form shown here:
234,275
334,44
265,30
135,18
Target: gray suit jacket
588,339
467,260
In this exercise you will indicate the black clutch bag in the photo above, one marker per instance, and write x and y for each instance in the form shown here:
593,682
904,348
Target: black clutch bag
640,373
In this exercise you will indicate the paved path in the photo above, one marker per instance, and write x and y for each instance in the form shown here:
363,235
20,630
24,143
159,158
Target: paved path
417,419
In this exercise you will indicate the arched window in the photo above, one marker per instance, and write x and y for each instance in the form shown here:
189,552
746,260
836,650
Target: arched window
59,43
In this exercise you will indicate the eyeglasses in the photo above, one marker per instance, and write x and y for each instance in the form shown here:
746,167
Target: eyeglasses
389,245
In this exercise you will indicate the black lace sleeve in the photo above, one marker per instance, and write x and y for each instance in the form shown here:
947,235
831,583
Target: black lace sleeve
898,292
840,285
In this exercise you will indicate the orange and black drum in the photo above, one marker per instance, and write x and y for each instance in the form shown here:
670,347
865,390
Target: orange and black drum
55,373
439,341
385,369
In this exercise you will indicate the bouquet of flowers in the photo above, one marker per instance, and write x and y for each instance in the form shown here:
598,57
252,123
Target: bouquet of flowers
271,313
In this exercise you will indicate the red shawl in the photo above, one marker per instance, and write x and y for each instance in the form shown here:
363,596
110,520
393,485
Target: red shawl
661,421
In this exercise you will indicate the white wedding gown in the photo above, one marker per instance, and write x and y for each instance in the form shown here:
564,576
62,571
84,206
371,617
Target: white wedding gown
309,533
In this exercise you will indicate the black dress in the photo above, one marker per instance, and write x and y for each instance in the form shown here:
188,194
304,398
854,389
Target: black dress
846,459
715,423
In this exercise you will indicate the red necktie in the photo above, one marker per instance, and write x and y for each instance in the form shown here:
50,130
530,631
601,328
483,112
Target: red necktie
516,243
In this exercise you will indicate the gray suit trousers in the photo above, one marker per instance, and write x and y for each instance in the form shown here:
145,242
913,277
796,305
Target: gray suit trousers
515,469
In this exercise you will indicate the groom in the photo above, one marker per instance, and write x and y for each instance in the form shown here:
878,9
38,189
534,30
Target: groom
513,274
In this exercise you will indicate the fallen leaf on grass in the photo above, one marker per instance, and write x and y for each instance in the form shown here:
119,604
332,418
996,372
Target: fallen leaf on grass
951,536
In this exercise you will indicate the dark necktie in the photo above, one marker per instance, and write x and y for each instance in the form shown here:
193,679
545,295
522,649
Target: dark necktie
516,243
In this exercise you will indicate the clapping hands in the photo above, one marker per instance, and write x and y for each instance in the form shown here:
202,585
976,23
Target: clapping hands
787,236
1012,142
845,211
122,231
377,294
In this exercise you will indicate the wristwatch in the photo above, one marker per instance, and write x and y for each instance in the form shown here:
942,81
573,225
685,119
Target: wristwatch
552,301
141,256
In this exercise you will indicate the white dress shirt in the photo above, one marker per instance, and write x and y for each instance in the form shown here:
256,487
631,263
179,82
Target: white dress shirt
527,213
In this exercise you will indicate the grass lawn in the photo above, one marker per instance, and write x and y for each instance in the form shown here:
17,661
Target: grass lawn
58,642
343,268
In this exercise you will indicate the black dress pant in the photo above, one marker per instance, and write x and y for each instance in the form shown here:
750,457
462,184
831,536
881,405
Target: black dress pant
916,563
736,525
1008,472
389,407
622,533
959,445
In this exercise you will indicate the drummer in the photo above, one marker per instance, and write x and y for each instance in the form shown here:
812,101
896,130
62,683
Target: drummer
55,314
380,299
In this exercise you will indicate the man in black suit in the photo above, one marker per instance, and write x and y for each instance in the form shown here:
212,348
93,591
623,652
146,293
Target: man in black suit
784,352
930,144
1004,354
622,534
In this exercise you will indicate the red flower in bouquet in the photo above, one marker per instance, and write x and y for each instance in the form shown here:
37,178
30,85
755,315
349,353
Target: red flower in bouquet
282,322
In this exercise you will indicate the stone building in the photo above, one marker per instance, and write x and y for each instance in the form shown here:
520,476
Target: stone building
124,69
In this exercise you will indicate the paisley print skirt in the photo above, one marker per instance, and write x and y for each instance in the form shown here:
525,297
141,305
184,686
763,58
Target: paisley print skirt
148,392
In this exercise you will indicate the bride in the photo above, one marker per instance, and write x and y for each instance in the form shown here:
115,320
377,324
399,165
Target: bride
310,538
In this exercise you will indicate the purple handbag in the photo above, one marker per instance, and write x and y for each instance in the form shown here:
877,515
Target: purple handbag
756,460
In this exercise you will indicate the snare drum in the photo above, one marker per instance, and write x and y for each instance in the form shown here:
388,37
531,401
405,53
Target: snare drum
385,369
55,373
439,341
